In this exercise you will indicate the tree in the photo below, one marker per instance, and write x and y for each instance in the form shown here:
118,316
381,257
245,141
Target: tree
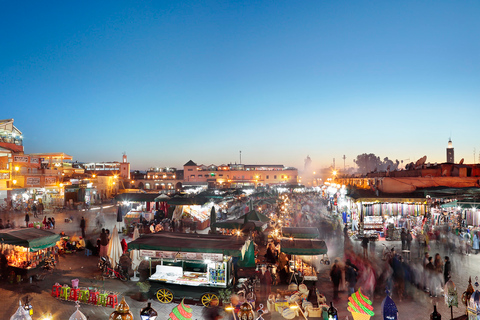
370,162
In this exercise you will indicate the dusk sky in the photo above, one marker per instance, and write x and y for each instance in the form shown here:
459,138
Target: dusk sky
167,82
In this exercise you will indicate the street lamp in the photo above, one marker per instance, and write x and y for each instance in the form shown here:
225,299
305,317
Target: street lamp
148,313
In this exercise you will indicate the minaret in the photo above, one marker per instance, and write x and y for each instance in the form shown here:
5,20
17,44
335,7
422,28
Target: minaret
450,154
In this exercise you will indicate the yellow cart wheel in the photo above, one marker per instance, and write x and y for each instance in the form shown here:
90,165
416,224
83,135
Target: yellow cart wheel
207,298
164,295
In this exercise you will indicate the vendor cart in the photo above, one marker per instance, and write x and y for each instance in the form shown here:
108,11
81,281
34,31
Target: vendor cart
305,256
192,266
26,250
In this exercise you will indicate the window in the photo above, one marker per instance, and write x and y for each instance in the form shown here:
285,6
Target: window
192,176
268,177
190,169
200,176
274,177
220,175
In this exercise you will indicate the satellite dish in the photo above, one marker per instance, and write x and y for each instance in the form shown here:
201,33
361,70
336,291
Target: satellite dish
461,161
421,161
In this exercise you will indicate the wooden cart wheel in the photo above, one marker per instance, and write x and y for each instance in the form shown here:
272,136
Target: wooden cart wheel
164,295
207,298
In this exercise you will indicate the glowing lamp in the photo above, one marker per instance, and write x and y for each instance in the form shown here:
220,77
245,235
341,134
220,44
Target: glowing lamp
148,313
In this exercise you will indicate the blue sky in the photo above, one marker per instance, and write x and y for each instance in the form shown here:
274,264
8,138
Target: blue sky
167,82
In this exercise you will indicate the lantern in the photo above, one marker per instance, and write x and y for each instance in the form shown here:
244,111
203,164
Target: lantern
389,308
77,315
468,293
435,315
451,296
473,305
246,312
332,312
20,314
122,312
148,313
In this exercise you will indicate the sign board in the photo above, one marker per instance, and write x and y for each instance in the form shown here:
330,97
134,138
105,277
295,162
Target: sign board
181,255
34,160
20,159
50,181
33,181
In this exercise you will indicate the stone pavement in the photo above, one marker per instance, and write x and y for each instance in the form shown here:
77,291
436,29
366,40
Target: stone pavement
77,265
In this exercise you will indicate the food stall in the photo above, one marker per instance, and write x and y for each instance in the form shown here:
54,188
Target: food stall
305,256
194,266
26,249
301,233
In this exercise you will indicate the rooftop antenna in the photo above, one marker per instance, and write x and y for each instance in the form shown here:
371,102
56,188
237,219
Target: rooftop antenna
240,157
344,162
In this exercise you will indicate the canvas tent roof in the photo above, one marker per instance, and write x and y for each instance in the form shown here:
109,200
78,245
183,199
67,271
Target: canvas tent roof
185,242
307,247
301,233
34,239
255,216
137,197
240,224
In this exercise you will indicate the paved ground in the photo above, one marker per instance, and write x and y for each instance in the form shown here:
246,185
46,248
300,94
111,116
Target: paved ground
71,266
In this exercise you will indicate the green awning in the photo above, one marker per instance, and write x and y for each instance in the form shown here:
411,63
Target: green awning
32,238
186,242
305,247
301,233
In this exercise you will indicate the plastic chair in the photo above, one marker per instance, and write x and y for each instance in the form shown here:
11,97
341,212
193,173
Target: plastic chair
112,300
84,295
102,299
74,294
56,290
93,297
65,292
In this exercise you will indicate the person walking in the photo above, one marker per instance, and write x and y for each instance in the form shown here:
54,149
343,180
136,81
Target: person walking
27,219
83,224
351,274
335,276
447,269
265,283
476,242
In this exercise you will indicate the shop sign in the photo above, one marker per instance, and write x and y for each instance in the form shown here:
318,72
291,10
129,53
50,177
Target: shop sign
147,253
50,181
4,175
20,159
33,181
34,160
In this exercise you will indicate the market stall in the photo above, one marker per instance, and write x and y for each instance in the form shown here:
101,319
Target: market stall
301,233
305,256
193,211
194,266
26,249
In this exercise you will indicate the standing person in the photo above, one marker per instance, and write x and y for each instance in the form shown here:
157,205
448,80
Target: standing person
82,226
40,208
53,222
335,276
447,269
34,209
27,219
103,243
365,241
476,242
403,237
409,239
430,270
